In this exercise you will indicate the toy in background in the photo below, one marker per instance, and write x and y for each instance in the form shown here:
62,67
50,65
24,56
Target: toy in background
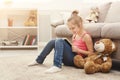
93,15
100,61
32,19
9,43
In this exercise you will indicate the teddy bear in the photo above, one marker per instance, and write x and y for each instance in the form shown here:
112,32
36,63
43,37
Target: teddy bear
100,61
93,15
32,19
79,61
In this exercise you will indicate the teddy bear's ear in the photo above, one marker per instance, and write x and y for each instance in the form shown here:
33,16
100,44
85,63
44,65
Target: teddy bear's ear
114,47
109,46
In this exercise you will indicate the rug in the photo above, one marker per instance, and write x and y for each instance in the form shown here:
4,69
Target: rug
15,67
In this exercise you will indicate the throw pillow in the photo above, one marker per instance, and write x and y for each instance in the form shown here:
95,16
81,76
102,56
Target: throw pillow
103,9
113,13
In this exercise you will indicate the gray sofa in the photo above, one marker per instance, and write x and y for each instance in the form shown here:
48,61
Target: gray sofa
108,26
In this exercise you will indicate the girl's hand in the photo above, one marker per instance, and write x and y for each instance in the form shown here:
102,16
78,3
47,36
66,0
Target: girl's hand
75,49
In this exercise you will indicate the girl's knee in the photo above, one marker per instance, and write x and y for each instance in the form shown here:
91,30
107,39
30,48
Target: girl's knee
53,40
59,40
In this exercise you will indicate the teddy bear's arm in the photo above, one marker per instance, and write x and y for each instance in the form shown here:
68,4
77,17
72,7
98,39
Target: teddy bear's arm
79,61
106,66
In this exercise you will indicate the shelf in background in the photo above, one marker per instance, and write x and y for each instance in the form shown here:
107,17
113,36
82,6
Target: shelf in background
16,24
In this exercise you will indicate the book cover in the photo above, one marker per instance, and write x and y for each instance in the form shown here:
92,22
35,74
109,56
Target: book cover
27,38
33,37
68,41
34,42
24,40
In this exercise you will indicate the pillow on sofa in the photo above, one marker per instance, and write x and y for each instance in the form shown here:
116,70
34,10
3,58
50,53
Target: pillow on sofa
113,13
103,9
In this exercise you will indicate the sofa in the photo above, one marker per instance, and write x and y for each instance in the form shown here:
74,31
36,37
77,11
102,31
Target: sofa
108,26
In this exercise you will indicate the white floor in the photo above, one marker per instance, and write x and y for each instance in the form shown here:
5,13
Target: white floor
13,66
4,53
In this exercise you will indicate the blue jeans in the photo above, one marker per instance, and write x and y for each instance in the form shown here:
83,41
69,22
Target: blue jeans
62,53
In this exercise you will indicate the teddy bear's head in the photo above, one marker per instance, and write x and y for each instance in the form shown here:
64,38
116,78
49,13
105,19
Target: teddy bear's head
93,15
32,19
94,9
105,46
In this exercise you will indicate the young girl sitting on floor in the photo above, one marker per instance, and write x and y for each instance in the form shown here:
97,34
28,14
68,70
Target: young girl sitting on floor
64,53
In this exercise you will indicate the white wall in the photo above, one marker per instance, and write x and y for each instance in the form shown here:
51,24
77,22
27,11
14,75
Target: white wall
47,7
68,4
50,4
45,28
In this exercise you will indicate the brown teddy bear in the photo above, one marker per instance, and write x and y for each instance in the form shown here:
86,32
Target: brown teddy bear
93,15
79,61
100,61
32,19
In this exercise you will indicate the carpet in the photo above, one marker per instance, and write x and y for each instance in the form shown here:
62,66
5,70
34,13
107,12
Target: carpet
15,68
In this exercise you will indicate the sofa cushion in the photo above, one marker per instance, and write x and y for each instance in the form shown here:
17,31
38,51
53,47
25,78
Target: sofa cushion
94,29
111,30
103,8
113,13
63,31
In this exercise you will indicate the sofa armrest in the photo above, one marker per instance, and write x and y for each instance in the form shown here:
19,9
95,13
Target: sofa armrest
63,31
111,30
94,29
56,23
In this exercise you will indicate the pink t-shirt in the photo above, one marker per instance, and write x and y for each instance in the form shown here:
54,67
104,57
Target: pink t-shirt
80,44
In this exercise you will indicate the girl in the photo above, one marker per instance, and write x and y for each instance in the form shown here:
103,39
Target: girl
64,53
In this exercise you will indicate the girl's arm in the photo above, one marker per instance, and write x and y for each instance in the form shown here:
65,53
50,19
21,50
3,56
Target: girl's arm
88,40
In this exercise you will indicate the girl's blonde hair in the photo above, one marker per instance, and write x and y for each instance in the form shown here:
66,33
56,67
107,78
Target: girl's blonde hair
76,20
75,12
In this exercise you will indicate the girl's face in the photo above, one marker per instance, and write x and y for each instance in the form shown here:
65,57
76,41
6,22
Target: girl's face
73,28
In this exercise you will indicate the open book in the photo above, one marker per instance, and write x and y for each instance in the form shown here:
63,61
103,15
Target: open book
68,41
